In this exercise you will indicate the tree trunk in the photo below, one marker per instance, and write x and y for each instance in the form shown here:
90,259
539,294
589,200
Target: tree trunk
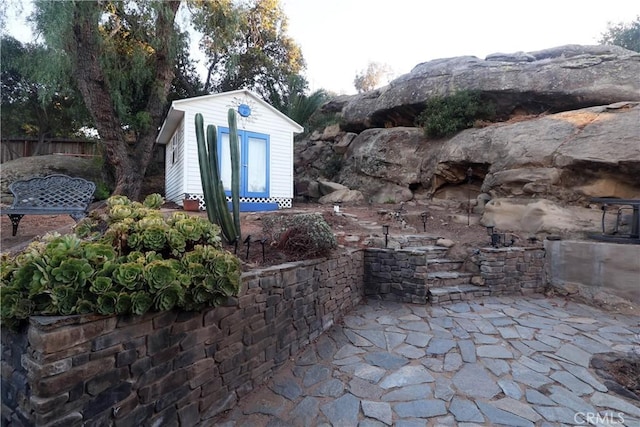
129,161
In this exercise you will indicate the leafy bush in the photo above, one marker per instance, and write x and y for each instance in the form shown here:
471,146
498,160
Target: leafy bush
318,121
446,116
302,235
102,191
126,261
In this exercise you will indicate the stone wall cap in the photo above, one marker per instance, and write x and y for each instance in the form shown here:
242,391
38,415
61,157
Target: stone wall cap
52,322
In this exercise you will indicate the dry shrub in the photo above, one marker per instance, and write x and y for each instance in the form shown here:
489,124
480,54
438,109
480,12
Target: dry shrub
302,236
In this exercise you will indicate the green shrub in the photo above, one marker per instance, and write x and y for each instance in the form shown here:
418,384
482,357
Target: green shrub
303,235
127,261
446,116
318,121
102,191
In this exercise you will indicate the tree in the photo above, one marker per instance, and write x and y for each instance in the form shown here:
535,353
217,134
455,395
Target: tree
248,47
128,56
370,78
32,106
122,57
623,35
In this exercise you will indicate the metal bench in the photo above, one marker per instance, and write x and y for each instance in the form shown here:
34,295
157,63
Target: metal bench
49,195
631,204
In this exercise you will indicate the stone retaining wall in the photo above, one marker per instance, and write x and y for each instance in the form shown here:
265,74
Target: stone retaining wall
172,368
512,270
402,274
396,274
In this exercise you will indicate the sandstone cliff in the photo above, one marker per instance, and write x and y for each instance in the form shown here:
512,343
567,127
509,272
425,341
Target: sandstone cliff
569,130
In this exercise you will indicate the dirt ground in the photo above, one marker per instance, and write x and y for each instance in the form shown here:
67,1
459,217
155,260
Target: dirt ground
354,226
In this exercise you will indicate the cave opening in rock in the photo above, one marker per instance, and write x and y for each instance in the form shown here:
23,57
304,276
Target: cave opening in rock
459,180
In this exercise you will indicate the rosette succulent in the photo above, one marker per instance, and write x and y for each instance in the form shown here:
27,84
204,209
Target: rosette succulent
168,297
160,274
64,299
101,285
119,212
72,271
123,303
126,261
107,303
153,238
140,302
118,200
177,242
129,275
99,253
153,201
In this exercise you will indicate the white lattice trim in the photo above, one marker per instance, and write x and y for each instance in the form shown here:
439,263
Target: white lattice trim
283,202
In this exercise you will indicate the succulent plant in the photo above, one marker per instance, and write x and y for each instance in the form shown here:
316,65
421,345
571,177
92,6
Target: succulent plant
128,261
153,201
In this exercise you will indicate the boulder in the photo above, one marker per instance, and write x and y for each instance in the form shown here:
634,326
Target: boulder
569,132
328,187
551,80
517,180
569,156
563,157
331,132
379,157
343,143
539,216
391,193
446,243
344,196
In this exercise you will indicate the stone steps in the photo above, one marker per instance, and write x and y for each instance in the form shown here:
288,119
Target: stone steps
446,282
418,240
463,292
431,252
444,264
442,279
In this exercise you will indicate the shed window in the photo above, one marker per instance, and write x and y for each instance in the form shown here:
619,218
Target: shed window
175,145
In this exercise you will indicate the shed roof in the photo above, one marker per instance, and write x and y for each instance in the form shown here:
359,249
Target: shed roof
176,112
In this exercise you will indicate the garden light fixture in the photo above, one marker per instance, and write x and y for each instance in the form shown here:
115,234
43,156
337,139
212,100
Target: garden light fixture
385,231
424,215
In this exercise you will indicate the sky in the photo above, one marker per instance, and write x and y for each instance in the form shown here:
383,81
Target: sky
339,38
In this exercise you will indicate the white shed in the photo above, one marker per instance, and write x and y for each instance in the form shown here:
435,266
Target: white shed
265,136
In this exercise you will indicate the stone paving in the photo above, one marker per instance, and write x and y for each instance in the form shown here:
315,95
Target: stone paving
509,361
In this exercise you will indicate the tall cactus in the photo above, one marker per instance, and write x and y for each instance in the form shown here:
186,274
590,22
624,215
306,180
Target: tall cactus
214,197
235,167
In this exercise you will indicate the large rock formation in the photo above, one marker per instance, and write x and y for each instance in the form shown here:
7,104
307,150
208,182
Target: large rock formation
569,157
552,80
570,131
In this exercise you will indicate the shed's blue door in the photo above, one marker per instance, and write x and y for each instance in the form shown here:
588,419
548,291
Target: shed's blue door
254,162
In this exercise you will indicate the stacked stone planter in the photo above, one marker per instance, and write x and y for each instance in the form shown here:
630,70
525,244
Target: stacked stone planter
172,368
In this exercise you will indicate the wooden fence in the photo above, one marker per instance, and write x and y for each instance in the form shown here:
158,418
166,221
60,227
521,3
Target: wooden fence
11,149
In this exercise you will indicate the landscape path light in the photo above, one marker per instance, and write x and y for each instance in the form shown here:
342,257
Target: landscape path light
385,231
424,215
